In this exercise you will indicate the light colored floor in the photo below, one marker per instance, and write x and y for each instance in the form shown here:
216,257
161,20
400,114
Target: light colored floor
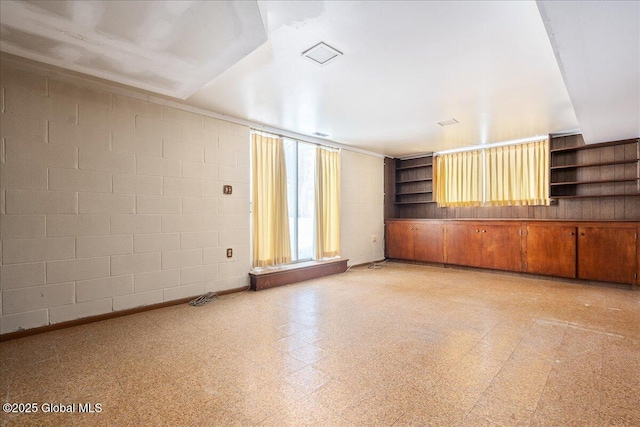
404,345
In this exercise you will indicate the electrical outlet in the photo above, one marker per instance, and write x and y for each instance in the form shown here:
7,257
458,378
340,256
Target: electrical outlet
230,253
227,189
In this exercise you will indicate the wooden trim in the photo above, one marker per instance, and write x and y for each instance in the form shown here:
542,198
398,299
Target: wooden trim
86,320
270,279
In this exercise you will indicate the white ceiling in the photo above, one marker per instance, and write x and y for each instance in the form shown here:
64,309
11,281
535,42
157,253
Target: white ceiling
172,48
405,65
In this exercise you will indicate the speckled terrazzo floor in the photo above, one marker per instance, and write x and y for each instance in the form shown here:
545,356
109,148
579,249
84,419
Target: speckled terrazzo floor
404,345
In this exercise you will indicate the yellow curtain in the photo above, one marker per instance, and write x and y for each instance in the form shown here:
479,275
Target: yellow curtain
518,175
327,193
271,243
458,179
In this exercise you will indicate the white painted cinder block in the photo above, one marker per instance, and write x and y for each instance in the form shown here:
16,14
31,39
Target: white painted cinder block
135,106
96,246
23,81
199,205
22,176
221,157
70,134
232,174
137,263
106,203
40,154
233,206
108,161
158,204
198,274
87,290
165,130
183,187
203,239
40,201
137,184
77,269
183,151
61,225
233,237
187,118
32,250
134,224
152,280
79,180
79,310
177,259
22,226
158,166
103,118
218,255
156,242
21,128
21,321
77,93
184,291
29,299
181,223
227,141
17,276
233,269
144,145
137,300
200,135
40,107
197,170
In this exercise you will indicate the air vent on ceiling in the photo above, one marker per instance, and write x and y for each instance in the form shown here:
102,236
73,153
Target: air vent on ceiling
448,122
321,54
321,135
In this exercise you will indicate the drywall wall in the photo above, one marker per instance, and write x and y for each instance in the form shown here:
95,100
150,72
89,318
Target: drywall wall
110,202
362,205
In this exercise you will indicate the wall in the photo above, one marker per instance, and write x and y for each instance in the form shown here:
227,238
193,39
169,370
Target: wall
362,207
110,202
599,208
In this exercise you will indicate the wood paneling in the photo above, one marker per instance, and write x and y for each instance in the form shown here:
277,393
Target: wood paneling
428,244
290,274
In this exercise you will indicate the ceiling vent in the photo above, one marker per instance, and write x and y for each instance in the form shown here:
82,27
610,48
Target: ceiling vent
448,122
321,54
321,135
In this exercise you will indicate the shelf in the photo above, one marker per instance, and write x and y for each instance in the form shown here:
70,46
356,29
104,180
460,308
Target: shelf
604,181
587,165
592,146
414,203
414,192
595,196
414,180
413,167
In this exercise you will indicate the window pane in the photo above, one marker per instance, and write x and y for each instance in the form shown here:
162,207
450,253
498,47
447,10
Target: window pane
306,199
290,151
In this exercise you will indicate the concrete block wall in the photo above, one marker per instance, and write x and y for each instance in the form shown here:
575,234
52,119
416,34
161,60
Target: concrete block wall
110,202
362,207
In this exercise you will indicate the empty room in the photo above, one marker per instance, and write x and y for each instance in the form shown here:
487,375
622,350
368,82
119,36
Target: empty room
319,213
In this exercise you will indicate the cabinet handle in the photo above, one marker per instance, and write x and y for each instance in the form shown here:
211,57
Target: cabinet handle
477,231
484,231
572,233
582,234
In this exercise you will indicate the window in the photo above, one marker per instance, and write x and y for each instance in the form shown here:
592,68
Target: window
300,159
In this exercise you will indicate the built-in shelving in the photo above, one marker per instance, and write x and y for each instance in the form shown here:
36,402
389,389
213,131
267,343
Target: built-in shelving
610,169
414,181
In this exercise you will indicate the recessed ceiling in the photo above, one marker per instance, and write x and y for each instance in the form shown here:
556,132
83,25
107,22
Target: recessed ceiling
406,66
172,48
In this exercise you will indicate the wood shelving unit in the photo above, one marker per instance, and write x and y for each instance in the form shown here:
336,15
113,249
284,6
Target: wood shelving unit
610,169
414,181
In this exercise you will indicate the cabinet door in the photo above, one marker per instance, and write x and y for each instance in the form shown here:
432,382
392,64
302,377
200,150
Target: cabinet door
463,244
400,240
551,250
607,253
428,243
501,248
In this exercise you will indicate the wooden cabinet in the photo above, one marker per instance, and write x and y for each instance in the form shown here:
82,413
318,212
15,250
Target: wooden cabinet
550,249
607,253
486,245
415,240
602,251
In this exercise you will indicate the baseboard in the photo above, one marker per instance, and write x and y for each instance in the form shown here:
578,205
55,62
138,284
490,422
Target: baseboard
91,319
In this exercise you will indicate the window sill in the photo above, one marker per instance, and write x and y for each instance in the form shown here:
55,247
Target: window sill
270,277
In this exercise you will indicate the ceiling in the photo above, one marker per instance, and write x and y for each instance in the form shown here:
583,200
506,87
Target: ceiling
492,66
